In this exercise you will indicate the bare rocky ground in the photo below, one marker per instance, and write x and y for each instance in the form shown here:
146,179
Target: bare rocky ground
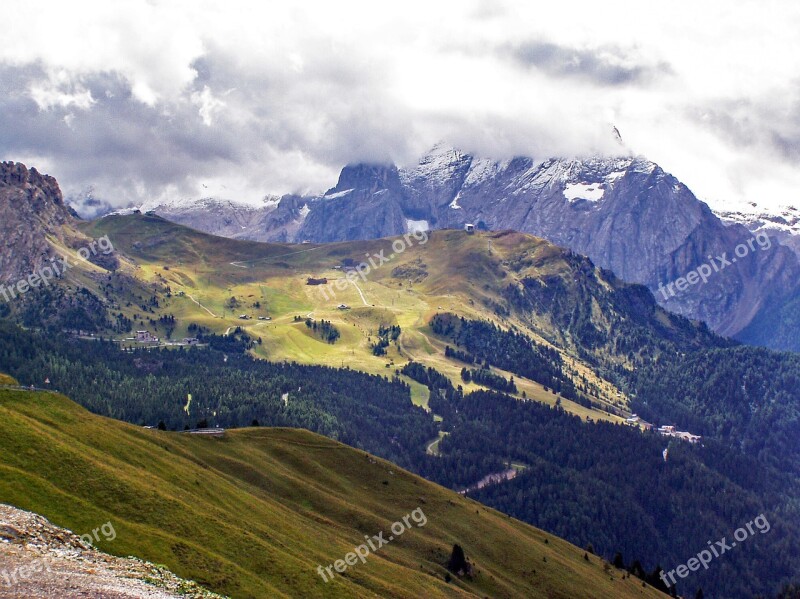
39,560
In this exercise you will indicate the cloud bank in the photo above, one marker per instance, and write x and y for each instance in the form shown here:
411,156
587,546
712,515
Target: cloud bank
158,100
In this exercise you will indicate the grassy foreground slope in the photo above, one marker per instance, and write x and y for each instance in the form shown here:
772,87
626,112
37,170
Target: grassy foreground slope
252,514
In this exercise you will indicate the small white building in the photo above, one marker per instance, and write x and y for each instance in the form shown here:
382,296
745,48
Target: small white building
469,228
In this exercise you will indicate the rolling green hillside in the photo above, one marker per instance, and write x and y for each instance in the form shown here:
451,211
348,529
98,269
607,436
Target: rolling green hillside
506,278
255,512
203,273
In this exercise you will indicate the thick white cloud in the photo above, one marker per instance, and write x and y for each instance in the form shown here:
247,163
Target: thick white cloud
156,99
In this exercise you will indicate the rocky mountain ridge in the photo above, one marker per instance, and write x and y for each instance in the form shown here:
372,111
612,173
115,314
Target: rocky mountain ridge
784,224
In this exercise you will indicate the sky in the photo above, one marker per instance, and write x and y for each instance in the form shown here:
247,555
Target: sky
144,101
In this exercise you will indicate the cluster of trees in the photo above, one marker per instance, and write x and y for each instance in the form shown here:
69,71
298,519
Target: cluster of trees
443,395
457,354
324,329
489,379
391,332
122,324
236,342
430,377
386,334
167,322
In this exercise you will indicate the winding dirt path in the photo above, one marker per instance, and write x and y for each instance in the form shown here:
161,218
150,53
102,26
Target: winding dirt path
201,305
361,293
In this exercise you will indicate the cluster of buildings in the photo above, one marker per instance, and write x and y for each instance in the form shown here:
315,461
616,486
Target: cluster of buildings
670,431
148,337
145,337
666,431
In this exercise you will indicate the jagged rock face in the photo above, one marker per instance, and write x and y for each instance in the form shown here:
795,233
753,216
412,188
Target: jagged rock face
434,182
366,203
31,208
625,213
367,179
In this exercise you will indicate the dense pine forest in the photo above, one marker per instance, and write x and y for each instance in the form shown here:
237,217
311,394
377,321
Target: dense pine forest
610,486
747,397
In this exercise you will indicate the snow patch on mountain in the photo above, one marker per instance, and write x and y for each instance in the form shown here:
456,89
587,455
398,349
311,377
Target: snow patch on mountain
416,226
786,220
642,165
179,204
338,194
613,176
271,201
592,192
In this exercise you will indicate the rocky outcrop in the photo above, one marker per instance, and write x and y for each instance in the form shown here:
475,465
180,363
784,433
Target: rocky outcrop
31,209
39,560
